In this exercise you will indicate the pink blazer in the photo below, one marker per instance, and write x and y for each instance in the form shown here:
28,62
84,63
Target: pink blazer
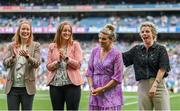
74,54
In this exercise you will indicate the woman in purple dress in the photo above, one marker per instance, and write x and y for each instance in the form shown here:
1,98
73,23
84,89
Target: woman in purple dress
105,73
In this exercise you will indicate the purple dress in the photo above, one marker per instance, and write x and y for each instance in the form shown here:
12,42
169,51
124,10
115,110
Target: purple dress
102,72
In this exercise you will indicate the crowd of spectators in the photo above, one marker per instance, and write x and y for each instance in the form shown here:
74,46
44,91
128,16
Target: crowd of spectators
90,22
93,21
129,83
82,2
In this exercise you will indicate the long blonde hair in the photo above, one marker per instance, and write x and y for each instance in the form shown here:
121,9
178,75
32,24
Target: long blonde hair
58,37
17,37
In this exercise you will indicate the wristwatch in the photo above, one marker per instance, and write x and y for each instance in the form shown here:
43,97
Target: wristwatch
27,57
66,59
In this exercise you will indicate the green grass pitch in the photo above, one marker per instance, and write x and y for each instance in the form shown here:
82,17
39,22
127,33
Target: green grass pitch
42,101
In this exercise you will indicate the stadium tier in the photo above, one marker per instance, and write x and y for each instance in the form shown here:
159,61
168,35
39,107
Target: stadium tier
88,17
48,24
83,2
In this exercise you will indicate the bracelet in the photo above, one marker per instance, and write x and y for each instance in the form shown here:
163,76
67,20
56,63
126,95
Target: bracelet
13,56
103,90
158,81
155,86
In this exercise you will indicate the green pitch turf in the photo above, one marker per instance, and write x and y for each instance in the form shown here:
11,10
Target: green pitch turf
42,101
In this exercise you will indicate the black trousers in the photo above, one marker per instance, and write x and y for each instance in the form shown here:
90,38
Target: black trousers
17,96
69,94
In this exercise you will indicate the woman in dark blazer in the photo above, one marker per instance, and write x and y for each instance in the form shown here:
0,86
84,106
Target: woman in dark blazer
151,65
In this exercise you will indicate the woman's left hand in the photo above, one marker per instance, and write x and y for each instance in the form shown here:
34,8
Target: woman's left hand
23,53
98,91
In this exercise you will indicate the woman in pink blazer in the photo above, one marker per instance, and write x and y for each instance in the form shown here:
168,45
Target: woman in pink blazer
64,61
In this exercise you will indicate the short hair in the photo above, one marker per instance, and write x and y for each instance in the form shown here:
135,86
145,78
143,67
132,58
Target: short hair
109,29
152,26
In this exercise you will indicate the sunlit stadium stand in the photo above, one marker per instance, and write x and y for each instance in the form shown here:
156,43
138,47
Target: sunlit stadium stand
87,17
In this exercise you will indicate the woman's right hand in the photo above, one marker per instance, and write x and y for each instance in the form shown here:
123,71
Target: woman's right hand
152,91
92,90
61,54
98,91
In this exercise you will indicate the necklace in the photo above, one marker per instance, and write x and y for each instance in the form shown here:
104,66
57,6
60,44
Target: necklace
103,54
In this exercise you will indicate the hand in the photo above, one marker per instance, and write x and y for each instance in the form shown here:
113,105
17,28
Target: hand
62,54
13,54
98,91
152,91
23,53
91,90
12,58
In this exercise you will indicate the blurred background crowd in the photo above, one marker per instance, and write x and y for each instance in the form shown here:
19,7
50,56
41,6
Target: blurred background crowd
90,22
129,80
90,16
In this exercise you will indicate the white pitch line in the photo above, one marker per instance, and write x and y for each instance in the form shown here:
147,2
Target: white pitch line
46,97
131,103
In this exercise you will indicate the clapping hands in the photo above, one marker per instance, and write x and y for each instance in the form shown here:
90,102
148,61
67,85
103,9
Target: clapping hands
23,53
62,55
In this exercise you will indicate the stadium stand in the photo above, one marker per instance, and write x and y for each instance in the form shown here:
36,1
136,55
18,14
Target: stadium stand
87,17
